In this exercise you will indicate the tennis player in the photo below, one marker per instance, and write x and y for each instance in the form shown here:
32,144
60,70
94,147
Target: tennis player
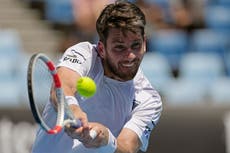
125,108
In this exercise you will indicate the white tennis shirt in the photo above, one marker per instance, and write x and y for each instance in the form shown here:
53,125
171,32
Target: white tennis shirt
133,104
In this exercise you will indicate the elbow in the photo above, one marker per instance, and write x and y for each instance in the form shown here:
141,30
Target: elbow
128,145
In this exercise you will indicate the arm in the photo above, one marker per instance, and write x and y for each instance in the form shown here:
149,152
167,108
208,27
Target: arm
128,142
136,132
68,79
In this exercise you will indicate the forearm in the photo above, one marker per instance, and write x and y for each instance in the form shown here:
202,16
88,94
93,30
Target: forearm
68,79
126,147
128,142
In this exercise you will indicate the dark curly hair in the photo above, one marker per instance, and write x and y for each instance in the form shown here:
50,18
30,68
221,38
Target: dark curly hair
121,14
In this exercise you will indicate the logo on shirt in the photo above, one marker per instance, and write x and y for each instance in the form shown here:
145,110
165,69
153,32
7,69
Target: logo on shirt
147,132
152,121
135,103
75,58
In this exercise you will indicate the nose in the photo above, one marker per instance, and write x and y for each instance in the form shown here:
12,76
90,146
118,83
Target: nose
130,55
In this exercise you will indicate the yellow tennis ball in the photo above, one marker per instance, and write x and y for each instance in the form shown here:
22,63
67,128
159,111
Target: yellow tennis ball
86,87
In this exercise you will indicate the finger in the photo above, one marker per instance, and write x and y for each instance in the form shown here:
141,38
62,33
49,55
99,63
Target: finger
84,122
74,133
87,136
86,133
78,113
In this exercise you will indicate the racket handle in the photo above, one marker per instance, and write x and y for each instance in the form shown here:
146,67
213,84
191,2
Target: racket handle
77,124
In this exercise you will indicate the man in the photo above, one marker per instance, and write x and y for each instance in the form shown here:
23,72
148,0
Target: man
126,107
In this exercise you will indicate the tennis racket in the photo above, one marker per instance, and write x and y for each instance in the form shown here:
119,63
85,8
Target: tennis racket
41,78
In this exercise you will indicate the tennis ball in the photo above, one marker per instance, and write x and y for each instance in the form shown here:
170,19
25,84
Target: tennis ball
86,87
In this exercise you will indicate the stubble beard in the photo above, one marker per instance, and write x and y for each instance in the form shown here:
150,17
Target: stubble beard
118,73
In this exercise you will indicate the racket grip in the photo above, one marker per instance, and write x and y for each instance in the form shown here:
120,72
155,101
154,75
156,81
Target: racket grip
76,124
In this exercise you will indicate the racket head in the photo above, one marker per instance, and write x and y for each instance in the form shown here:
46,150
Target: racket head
41,77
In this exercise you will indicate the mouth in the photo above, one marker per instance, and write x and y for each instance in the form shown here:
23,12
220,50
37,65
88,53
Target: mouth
128,65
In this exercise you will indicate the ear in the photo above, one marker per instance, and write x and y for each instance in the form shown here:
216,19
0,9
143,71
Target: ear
101,49
145,42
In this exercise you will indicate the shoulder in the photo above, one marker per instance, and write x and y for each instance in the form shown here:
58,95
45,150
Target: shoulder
80,57
83,47
140,80
81,51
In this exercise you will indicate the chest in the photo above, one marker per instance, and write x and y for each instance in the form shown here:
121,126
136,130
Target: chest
110,106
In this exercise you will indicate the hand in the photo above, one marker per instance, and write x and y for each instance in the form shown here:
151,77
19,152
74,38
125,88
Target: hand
79,114
102,136
83,135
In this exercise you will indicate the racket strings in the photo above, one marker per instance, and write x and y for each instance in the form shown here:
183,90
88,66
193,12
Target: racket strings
51,113
42,84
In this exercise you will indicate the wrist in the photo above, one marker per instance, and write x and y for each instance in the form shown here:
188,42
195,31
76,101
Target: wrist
112,143
71,100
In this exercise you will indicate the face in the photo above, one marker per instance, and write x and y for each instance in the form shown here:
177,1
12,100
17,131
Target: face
122,55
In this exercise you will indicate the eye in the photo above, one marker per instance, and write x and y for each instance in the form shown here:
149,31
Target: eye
136,45
120,47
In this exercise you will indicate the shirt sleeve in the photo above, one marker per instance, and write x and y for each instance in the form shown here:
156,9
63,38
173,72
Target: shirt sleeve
146,112
78,58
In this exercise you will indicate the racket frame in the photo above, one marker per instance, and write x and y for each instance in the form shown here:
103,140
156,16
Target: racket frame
58,90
